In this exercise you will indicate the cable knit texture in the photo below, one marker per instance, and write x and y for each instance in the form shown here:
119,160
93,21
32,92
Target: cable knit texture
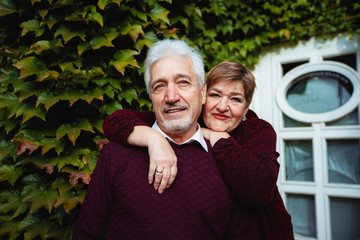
120,204
247,162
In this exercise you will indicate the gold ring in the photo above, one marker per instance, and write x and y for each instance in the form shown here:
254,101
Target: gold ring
158,170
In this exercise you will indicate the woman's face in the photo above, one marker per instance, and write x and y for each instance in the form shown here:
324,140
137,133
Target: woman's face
225,106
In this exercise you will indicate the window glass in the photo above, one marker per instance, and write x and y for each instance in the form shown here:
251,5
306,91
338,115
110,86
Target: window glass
345,218
299,162
302,211
289,122
319,92
350,119
286,67
348,59
344,161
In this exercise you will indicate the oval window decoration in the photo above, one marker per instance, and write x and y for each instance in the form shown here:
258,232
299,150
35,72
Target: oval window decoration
319,92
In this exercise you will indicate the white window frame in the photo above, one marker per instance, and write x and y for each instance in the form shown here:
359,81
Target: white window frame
340,112
269,76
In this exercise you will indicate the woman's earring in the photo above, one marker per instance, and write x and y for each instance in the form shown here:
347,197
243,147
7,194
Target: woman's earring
244,119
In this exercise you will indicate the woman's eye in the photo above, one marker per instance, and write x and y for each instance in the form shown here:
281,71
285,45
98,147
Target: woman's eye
238,100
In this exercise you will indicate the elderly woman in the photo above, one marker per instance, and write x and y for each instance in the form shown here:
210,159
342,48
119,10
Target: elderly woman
244,146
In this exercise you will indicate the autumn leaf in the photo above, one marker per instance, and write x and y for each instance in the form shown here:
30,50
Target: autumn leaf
49,168
74,178
24,145
101,143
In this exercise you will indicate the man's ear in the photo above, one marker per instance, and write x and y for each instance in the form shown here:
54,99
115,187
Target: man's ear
203,93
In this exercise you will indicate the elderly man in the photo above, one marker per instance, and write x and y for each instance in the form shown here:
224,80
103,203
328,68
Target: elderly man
121,205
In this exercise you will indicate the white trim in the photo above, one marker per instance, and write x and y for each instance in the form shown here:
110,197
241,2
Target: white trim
337,67
269,76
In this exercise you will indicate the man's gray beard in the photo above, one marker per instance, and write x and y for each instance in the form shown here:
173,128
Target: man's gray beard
177,125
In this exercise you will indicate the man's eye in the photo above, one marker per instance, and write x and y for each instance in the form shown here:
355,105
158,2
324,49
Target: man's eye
183,82
214,95
159,86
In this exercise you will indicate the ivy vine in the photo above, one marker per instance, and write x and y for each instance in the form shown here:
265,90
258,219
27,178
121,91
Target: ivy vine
67,64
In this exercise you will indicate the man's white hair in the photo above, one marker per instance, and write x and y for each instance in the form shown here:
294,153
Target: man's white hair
167,47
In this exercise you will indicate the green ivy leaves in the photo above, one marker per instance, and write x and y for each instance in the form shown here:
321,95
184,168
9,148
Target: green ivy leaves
65,65
6,7
124,58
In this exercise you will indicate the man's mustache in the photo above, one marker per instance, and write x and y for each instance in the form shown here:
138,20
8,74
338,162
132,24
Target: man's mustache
169,106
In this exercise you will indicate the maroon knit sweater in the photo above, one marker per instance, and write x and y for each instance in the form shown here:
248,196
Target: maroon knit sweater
120,204
247,162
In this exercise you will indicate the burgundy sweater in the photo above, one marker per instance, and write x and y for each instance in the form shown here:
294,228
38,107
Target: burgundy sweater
120,204
247,162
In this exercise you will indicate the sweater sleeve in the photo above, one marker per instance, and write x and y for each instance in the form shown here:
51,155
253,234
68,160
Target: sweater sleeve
249,166
118,126
96,209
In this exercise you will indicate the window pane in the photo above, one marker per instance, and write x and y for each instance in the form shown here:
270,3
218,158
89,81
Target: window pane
348,59
302,211
319,92
286,67
289,122
299,162
345,218
350,119
344,161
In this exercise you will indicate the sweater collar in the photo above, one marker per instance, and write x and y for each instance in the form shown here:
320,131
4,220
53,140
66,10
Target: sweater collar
198,137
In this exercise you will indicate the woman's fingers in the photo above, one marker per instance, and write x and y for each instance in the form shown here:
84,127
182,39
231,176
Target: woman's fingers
163,164
173,173
164,180
151,174
163,177
158,177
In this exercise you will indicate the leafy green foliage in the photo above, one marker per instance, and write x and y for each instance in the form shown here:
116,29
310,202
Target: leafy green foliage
65,65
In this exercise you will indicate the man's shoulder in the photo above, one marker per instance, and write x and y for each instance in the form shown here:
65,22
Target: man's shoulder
115,149
113,146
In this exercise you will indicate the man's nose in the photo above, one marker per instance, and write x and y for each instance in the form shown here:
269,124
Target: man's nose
222,104
172,94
